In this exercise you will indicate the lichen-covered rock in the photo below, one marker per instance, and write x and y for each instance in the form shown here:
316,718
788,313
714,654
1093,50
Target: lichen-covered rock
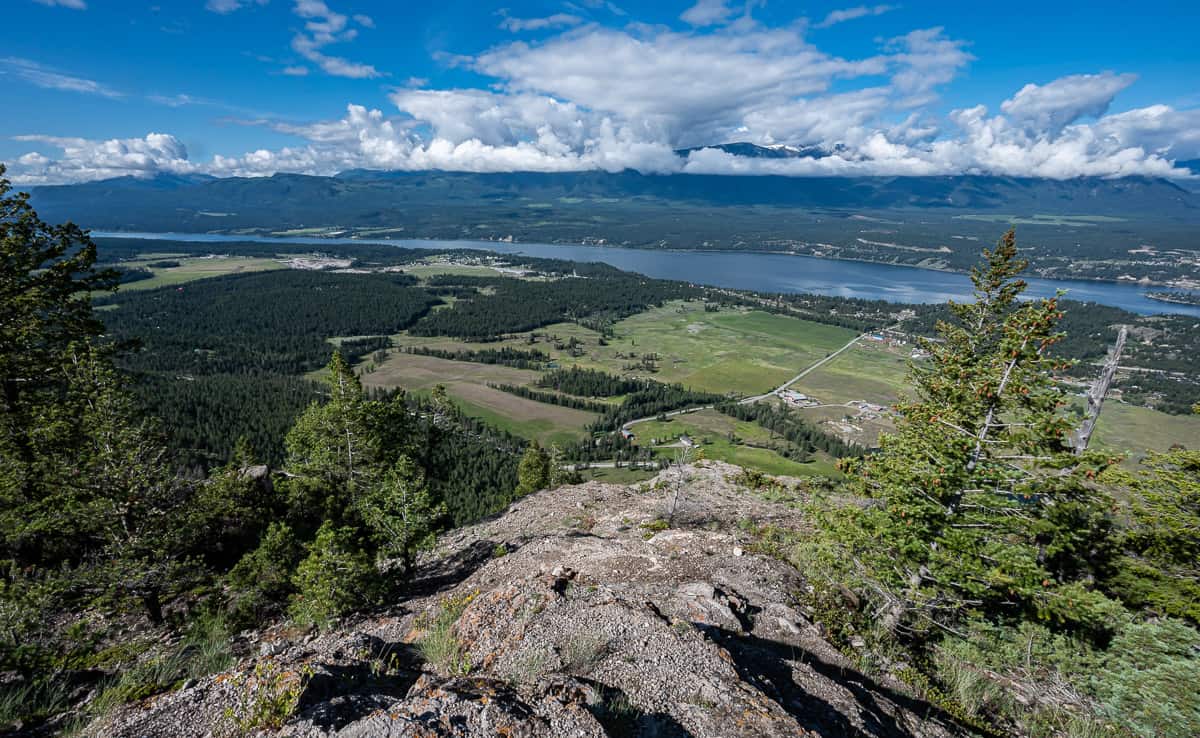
597,621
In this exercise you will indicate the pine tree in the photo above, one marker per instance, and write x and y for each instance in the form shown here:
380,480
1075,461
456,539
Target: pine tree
333,441
980,501
122,489
334,579
1161,569
400,511
533,474
47,273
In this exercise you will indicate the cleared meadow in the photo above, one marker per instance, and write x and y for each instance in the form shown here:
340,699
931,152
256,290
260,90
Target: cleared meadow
467,383
191,269
740,351
712,430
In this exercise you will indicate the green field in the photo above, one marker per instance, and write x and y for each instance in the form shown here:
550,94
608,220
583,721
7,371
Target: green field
741,351
876,373
192,268
1132,430
467,383
712,430
869,371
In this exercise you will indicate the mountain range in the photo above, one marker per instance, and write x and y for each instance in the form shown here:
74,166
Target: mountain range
366,198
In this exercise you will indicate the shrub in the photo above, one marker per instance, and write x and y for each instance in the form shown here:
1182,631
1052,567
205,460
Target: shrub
335,579
1150,679
262,581
439,644
266,698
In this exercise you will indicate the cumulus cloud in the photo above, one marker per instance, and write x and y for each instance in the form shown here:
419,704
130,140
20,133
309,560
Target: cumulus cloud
558,20
550,106
73,4
1053,106
225,7
848,14
85,159
707,13
323,27
652,78
41,76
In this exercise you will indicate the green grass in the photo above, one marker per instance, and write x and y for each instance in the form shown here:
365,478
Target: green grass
741,351
873,373
192,269
1132,430
547,431
712,429
868,372
467,383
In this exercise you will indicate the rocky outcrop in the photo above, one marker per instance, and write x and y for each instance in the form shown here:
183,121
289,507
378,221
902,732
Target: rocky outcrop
578,614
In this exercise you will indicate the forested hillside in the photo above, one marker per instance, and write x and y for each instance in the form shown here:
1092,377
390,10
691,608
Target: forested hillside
977,569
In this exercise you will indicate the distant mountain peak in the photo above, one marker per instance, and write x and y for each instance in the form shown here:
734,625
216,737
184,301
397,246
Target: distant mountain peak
768,151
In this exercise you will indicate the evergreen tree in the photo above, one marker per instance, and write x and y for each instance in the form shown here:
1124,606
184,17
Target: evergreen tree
400,511
262,581
561,471
232,508
981,503
124,487
47,273
534,472
334,579
1161,569
333,441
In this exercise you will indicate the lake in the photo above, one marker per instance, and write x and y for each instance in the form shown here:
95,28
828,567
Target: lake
763,272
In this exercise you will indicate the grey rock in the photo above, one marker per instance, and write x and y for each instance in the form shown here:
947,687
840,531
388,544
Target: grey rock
671,636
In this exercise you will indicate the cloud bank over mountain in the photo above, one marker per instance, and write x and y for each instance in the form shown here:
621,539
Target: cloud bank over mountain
587,96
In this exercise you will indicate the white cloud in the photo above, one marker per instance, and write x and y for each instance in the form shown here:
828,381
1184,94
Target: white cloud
684,88
41,76
296,71
707,13
324,27
925,59
558,20
84,159
73,4
847,14
1051,107
593,97
224,7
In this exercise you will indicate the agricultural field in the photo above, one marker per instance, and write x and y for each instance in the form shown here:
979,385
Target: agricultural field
745,352
869,371
467,384
1131,430
876,373
194,267
712,430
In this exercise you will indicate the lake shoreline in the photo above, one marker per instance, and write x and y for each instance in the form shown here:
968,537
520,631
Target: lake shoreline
766,272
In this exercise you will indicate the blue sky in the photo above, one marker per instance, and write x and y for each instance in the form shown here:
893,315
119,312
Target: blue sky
99,88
